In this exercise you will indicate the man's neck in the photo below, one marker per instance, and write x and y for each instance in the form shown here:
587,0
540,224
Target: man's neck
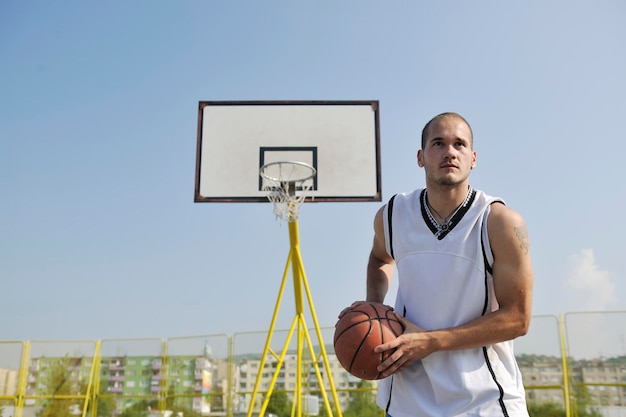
445,199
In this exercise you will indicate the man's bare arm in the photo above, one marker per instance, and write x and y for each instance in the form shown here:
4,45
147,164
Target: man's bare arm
380,266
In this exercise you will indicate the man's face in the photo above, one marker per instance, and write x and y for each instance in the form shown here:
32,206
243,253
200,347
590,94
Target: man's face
447,156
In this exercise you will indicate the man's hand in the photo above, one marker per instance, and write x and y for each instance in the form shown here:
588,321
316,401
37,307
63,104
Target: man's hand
412,345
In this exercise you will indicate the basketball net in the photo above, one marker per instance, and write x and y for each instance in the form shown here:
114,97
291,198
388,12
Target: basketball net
287,184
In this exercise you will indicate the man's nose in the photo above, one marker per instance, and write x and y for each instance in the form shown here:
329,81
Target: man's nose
450,151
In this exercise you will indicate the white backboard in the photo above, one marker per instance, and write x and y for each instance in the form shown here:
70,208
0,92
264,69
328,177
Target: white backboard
340,139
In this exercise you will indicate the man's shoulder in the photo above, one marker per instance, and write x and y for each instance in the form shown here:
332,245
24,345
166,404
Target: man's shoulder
502,215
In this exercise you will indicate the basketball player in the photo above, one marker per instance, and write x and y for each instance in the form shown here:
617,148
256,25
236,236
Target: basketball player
464,290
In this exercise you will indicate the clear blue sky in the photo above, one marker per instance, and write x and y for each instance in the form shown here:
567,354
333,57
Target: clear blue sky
99,234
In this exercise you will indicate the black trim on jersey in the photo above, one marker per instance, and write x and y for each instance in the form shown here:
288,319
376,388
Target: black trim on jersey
488,267
430,224
391,383
488,271
389,400
493,375
452,222
389,213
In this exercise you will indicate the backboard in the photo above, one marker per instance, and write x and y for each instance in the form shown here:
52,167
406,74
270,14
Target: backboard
340,139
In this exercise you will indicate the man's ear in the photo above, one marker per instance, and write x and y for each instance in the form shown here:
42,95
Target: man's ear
420,155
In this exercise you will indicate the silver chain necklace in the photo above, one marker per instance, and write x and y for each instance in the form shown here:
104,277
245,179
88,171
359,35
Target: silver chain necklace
446,221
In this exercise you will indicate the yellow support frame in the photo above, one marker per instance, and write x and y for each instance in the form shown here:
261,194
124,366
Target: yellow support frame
301,288
94,381
565,366
22,378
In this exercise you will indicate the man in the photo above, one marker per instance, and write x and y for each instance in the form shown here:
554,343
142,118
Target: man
464,290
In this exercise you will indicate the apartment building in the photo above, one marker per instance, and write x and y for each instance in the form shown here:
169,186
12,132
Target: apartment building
249,368
604,379
8,382
126,379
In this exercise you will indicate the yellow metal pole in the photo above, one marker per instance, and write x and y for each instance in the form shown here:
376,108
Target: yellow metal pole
321,380
22,377
162,405
268,340
294,239
300,283
229,377
323,352
279,365
565,366
93,386
299,373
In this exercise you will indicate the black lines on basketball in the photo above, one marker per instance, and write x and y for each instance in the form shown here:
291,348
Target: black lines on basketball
359,331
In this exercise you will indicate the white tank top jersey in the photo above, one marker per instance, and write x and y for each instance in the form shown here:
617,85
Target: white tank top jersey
444,280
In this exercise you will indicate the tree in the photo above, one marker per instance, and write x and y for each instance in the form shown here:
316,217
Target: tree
177,407
279,404
550,409
583,404
324,413
545,410
138,409
362,402
59,383
185,411
106,405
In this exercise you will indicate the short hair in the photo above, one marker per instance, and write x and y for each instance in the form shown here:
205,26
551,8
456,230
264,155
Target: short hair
442,116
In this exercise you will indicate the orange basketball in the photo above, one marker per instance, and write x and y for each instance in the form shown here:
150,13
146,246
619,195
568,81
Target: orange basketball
361,329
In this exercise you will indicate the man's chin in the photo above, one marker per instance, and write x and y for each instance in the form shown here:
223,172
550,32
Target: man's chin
450,182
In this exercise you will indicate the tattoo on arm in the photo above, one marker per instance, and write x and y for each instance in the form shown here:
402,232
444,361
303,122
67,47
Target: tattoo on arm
522,237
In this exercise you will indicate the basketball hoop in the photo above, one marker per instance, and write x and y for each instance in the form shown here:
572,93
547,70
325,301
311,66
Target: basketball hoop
287,183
